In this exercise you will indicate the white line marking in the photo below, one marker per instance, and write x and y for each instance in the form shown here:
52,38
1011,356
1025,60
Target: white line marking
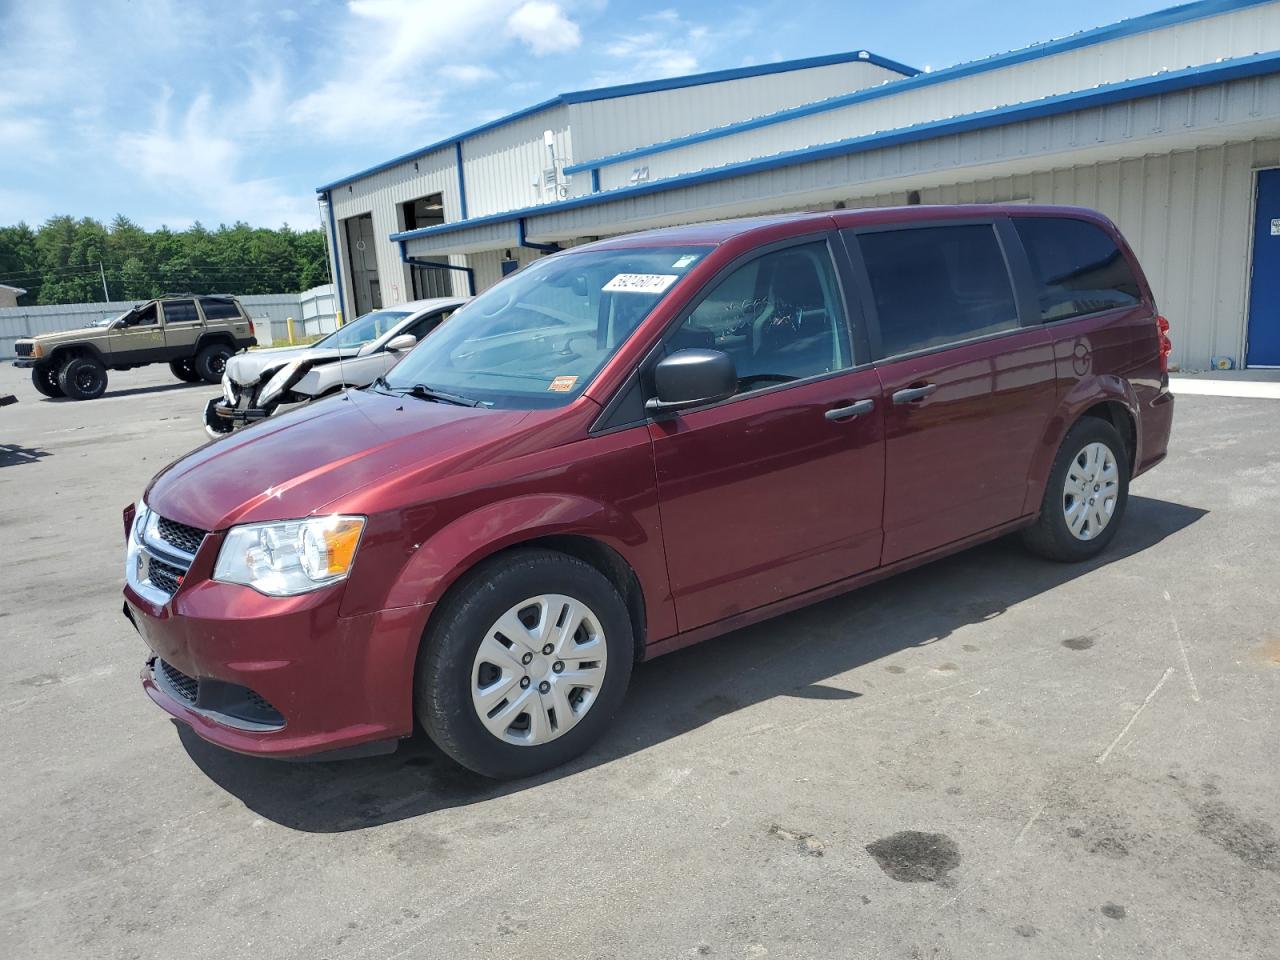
1032,819
1150,696
1182,649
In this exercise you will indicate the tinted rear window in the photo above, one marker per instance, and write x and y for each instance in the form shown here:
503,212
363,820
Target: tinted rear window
219,309
180,311
1077,267
938,285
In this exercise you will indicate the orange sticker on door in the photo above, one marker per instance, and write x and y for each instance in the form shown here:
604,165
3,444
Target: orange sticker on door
562,384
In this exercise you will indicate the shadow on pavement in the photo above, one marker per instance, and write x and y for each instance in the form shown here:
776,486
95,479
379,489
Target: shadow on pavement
11,454
684,690
133,391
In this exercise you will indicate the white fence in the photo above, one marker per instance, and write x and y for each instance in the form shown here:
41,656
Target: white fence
312,312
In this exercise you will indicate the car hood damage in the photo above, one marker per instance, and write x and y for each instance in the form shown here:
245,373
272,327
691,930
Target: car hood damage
248,368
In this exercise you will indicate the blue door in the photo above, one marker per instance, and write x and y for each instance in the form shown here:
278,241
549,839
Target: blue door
1264,291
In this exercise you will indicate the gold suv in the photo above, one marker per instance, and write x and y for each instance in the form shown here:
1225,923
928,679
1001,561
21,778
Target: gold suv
194,335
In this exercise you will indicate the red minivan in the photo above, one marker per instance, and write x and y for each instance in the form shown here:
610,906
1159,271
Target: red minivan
634,445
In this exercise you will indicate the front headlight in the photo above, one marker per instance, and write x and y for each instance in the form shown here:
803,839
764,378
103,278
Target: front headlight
275,386
228,393
289,557
37,349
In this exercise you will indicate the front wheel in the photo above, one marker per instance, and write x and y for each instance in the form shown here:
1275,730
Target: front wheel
1085,497
44,377
83,378
524,664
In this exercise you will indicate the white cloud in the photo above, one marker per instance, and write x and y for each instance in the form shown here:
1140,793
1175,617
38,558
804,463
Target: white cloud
544,27
467,74
665,44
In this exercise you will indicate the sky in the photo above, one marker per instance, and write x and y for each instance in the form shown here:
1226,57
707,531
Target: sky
173,111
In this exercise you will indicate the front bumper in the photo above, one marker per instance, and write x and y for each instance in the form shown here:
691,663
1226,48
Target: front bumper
27,361
221,417
334,682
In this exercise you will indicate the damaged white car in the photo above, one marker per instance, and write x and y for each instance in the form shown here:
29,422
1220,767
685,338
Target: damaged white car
258,382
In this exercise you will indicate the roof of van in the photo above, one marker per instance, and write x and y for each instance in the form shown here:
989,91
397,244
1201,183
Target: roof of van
719,231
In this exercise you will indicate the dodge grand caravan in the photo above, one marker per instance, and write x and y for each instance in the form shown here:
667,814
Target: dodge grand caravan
634,445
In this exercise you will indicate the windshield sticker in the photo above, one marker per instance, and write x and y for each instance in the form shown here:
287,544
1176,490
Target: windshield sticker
640,283
562,384
687,260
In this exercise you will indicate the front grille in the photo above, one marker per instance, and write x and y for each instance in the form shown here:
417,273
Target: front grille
23,349
187,687
226,702
179,535
165,576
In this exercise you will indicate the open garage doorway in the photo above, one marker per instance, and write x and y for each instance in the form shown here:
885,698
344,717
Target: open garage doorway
426,211
362,263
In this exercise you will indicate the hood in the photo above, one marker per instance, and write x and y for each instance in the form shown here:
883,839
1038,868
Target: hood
80,333
292,465
248,368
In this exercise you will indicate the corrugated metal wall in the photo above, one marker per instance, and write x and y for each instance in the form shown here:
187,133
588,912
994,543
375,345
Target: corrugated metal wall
1239,33
502,164
622,123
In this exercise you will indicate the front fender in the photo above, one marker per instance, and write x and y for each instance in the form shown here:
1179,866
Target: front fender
458,546
1084,394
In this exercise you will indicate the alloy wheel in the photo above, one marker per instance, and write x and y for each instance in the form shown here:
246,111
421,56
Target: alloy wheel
1090,491
539,669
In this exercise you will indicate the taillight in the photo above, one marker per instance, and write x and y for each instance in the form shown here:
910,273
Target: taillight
1166,345
254,333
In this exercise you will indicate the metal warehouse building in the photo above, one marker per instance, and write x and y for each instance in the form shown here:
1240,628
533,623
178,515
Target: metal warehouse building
1169,123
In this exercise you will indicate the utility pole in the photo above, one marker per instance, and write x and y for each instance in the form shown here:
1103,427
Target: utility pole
105,295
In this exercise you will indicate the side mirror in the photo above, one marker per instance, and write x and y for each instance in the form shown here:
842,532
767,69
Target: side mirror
406,341
687,378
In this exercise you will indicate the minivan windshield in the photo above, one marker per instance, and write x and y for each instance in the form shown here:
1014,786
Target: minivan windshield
363,330
539,337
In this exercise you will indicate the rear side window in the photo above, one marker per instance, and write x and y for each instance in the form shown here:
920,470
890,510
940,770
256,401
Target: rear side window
937,285
180,311
219,309
1077,267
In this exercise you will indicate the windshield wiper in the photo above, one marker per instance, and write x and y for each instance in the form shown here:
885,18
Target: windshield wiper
424,392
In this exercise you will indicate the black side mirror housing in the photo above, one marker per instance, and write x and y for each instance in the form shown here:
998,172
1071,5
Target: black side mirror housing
692,377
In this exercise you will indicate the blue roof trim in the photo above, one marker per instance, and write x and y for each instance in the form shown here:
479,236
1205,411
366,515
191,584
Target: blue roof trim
631,90
1171,82
1143,24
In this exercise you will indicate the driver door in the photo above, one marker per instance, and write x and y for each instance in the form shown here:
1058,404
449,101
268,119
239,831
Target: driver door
779,489
138,338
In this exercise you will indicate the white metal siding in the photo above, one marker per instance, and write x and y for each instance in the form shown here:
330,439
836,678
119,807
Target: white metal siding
1240,33
502,164
622,123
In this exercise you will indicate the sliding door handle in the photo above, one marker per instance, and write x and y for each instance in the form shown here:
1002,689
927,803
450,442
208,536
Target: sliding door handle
912,394
852,410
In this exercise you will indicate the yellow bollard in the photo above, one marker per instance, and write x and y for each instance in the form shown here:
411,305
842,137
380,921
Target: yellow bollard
339,318
288,321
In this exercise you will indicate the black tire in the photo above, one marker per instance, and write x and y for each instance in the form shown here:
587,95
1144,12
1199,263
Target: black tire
211,361
44,377
185,370
1051,536
83,378
453,637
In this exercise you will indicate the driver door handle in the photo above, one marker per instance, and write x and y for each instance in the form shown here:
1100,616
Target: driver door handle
912,394
852,410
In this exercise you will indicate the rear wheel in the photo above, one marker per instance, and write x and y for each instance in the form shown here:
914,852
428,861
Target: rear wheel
185,370
83,378
44,377
1085,497
524,664
211,362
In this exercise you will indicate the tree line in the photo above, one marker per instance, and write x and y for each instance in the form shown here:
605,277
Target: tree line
66,260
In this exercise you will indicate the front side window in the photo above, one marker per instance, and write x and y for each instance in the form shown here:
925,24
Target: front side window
779,317
937,285
141,318
1077,267
538,338
362,330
